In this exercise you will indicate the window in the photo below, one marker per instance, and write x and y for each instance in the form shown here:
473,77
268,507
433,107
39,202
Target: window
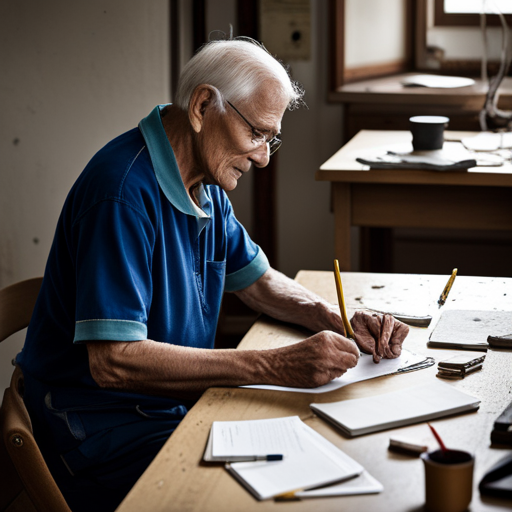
467,12
428,37
475,6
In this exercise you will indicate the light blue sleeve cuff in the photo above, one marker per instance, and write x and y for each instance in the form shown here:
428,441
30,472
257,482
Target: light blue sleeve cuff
249,274
112,330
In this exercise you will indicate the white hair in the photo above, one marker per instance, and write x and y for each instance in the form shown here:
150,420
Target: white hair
236,68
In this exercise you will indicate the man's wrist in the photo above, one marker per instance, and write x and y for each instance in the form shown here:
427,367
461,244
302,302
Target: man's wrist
324,316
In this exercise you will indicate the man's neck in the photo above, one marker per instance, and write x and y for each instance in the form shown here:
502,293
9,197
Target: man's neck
181,137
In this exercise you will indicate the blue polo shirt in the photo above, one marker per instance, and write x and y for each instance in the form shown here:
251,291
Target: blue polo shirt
133,258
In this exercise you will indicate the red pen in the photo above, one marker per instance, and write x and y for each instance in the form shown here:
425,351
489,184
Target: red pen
438,438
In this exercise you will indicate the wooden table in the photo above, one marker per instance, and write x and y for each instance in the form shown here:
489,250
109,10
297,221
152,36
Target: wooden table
480,198
178,480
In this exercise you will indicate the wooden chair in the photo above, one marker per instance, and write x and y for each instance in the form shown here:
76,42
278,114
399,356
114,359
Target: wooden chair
26,484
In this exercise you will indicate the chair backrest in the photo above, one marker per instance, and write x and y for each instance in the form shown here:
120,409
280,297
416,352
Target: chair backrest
16,305
26,483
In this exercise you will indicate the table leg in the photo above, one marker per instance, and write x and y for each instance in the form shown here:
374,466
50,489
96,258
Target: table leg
342,222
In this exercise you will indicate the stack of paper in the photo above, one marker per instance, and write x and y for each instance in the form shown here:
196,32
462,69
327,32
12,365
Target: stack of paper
396,409
309,460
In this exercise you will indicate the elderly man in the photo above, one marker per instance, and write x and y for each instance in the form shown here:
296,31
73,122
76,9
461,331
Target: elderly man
147,243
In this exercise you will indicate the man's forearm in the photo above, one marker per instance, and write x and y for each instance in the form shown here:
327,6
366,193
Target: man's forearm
160,368
165,369
284,299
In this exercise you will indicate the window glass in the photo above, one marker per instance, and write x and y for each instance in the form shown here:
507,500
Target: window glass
475,6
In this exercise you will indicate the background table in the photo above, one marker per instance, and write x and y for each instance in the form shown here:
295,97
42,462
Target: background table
178,480
477,199
385,104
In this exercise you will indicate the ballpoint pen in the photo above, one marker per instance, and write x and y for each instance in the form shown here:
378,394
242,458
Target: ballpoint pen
267,458
447,288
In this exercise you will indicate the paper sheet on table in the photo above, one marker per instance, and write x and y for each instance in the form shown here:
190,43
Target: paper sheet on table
365,369
437,81
231,439
488,141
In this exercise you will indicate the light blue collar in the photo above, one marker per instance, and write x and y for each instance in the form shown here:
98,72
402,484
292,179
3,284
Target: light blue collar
167,171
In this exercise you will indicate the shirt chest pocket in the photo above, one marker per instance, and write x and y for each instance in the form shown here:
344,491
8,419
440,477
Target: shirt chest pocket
211,285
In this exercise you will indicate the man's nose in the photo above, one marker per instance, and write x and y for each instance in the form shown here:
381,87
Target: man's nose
261,155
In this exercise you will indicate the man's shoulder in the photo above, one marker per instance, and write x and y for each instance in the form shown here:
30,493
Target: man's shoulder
120,171
122,162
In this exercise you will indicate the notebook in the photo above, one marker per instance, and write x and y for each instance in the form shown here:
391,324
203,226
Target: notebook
309,460
397,409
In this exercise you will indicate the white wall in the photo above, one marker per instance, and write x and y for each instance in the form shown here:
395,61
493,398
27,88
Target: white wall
73,75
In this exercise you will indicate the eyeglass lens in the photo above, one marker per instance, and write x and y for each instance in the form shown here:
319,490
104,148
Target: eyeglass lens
274,143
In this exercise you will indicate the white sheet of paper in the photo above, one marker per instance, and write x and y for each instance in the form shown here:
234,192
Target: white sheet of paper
310,460
365,369
488,141
438,82
255,437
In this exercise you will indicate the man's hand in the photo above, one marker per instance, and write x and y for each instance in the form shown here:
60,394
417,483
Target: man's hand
380,335
313,362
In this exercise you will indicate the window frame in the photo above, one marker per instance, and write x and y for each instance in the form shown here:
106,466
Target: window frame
340,75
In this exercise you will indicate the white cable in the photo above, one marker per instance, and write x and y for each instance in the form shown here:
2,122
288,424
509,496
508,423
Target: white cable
483,28
490,109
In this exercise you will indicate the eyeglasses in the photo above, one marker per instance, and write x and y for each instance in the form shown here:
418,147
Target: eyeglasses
257,137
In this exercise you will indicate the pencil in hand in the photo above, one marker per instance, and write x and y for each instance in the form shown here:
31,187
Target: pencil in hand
341,301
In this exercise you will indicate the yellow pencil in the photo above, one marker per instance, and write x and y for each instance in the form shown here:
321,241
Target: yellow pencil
288,496
341,300
447,288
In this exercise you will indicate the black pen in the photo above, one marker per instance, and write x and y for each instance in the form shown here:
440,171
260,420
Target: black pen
268,458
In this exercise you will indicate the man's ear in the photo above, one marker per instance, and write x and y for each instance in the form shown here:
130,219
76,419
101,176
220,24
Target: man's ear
201,99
